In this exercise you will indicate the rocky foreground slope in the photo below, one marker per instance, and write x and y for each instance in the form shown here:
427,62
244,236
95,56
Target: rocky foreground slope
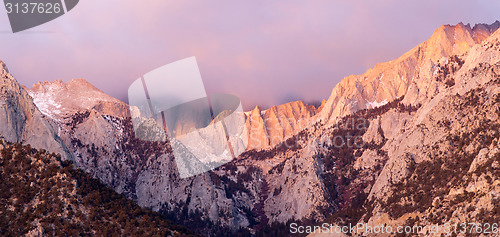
421,127
41,195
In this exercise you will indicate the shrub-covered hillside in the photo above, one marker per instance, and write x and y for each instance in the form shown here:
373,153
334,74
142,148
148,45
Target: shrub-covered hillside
40,195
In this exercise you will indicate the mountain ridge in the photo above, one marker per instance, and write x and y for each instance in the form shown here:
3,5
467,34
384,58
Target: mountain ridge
22,121
355,92
267,128
58,99
411,113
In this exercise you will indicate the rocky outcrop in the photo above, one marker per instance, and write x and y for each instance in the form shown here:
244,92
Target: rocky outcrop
452,136
410,75
270,127
58,99
98,130
21,121
265,128
440,158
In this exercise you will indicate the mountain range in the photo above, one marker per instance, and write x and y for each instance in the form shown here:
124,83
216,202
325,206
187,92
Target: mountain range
411,141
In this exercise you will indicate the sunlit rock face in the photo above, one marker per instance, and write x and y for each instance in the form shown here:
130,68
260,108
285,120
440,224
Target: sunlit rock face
270,127
409,74
22,121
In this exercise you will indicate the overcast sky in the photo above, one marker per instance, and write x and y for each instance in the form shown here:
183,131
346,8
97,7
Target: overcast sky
265,52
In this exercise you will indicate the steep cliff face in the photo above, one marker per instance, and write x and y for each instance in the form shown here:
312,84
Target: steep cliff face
438,160
21,121
97,129
447,151
265,128
442,169
480,67
90,124
424,151
410,74
270,127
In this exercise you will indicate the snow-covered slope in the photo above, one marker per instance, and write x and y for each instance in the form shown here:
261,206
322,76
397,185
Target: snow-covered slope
21,121
58,99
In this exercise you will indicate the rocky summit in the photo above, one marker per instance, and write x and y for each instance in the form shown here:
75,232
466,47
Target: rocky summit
22,121
406,76
414,141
